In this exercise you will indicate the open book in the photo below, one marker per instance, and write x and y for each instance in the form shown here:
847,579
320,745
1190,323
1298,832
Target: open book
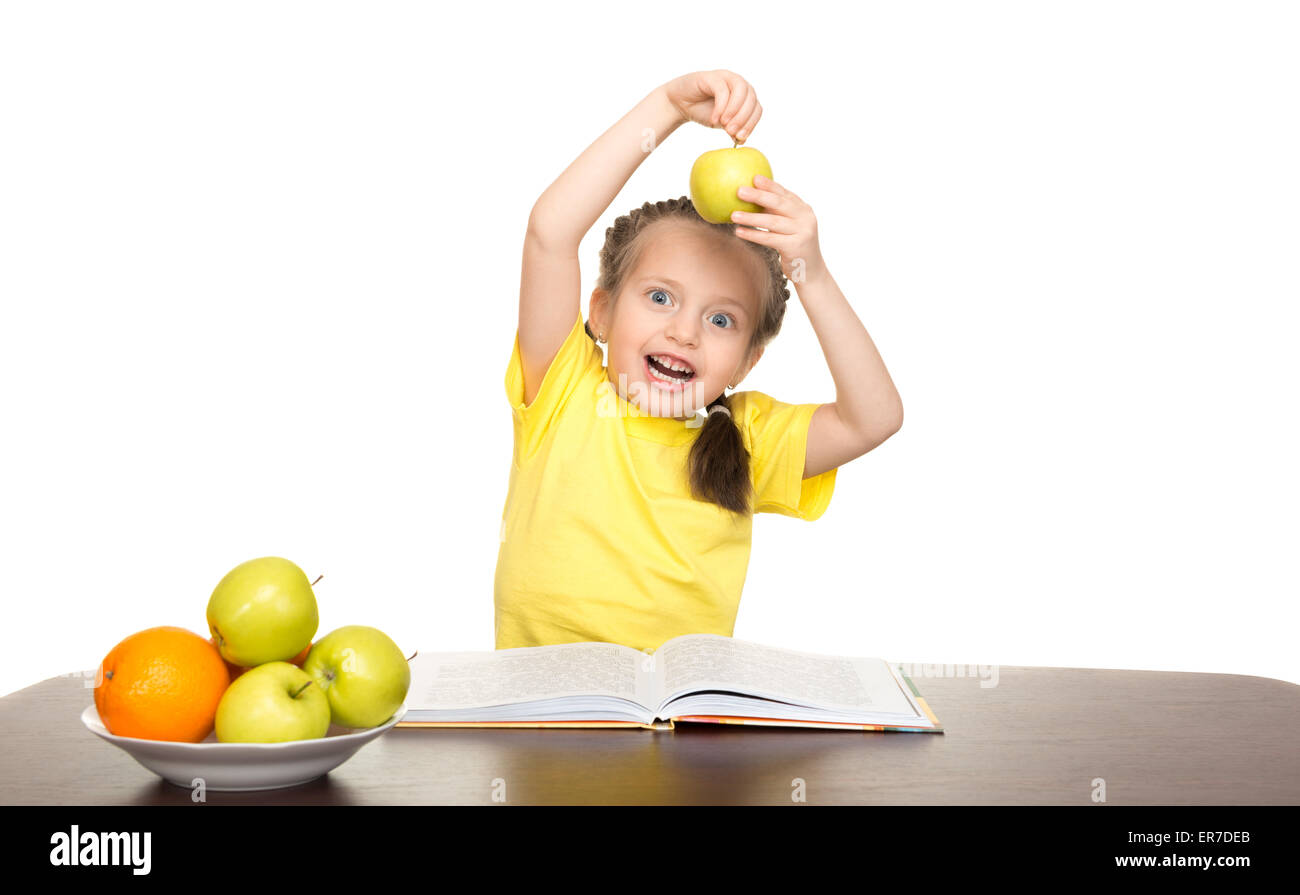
695,677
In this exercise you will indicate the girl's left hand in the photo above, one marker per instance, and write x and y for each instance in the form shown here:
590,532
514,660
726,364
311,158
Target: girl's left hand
789,225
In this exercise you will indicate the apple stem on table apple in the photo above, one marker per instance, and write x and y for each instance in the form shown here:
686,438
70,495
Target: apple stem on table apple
295,693
318,578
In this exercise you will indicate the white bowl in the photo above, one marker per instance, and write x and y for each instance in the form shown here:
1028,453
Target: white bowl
239,767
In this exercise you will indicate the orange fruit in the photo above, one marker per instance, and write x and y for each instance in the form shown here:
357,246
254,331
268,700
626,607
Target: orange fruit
161,683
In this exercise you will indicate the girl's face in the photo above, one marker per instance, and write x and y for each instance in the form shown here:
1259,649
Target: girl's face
690,302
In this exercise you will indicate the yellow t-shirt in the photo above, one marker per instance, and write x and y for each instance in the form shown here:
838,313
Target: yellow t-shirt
601,537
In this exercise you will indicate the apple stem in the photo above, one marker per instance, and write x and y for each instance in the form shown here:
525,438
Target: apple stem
318,578
295,693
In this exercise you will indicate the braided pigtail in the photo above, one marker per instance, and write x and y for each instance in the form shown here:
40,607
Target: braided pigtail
719,461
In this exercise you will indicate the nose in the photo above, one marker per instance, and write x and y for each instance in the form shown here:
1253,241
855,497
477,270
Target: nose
683,332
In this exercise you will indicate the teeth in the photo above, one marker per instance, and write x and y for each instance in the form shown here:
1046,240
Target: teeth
672,364
663,377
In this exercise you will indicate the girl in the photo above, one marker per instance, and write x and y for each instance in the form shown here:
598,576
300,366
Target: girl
629,513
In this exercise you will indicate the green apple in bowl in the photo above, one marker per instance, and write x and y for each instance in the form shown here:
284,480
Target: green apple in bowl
716,176
273,703
362,672
263,610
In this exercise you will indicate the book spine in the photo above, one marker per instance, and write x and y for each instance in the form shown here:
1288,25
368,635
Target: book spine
528,724
820,725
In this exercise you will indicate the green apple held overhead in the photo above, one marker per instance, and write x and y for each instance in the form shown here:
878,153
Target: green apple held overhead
362,672
273,703
263,610
717,175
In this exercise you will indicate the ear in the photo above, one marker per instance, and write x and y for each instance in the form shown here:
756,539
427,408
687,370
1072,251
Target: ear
598,313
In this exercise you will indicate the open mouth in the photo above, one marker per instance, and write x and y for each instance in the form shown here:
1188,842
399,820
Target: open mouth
660,371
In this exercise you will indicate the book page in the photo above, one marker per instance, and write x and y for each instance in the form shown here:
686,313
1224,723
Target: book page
527,674
711,662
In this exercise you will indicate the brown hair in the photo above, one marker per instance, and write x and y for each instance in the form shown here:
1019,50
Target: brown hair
719,462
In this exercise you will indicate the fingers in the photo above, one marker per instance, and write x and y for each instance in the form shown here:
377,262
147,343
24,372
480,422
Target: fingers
774,223
767,183
748,127
735,104
759,236
721,94
739,120
767,194
740,93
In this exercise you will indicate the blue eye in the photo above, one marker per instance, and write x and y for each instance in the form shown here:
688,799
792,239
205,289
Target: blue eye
653,292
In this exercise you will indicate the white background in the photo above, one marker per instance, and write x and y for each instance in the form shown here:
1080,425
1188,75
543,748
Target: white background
259,265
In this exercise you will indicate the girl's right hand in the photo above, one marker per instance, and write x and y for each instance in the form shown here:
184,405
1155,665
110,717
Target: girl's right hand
718,98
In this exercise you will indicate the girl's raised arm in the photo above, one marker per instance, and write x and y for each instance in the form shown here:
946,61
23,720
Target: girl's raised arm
550,285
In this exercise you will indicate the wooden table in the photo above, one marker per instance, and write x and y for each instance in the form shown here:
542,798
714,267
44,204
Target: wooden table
1041,736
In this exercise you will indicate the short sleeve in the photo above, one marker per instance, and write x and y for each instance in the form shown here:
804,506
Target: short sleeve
776,435
576,361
